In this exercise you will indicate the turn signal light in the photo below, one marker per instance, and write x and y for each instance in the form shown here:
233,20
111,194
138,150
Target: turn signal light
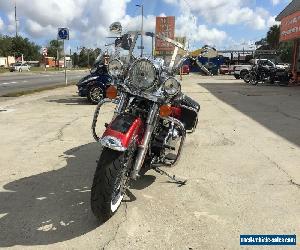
111,92
165,111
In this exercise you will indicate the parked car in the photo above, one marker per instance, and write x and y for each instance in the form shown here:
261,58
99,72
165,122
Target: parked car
241,70
19,67
225,69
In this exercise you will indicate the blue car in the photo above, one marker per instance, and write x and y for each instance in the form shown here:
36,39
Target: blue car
94,85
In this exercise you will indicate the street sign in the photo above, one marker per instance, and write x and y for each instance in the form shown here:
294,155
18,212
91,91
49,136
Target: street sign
63,33
165,26
45,51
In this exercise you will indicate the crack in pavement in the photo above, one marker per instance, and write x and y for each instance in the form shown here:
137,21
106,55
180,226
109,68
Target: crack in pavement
291,181
294,183
117,230
60,133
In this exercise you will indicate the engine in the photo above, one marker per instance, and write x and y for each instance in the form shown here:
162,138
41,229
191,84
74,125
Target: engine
166,143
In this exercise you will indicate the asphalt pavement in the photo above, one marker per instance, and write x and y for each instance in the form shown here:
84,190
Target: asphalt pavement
15,81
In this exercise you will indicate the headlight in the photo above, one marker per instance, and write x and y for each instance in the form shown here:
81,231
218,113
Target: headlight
172,86
143,74
115,68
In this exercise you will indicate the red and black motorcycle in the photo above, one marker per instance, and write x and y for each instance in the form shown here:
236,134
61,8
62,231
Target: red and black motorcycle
148,129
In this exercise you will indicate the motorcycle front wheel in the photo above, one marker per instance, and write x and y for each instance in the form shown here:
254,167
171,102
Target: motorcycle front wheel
253,80
95,94
247,78
109,182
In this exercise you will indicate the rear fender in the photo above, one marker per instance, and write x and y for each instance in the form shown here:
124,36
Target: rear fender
122,131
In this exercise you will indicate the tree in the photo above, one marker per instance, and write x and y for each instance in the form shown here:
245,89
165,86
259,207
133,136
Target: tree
5,46
286,52
22,46
273,36
53,46
75,59
88,56
272,42
19,46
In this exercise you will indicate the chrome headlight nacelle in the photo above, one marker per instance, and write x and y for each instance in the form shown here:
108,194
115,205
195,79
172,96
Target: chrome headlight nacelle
115,68
171,86
143,75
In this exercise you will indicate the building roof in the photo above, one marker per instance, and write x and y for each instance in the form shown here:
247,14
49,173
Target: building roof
293,7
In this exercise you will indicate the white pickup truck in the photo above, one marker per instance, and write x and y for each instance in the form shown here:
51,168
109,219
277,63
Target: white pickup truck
241,70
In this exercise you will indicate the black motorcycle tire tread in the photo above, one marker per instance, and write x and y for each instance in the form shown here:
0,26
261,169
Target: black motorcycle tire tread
89,95
108,168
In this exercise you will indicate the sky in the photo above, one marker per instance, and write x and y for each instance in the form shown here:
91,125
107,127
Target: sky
225,24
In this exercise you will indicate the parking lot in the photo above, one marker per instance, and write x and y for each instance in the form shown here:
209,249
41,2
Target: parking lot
242,166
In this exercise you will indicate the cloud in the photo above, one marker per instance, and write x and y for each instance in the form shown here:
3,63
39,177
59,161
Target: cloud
198,33
226,12
1,24
88,20
275,2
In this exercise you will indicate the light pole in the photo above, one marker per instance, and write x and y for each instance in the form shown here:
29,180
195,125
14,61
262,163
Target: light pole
16,20
142,28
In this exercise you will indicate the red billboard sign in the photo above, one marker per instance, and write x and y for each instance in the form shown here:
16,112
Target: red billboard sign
165,26
290,27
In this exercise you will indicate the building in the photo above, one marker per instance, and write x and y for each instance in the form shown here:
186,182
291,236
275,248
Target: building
5,62
52,62
290,31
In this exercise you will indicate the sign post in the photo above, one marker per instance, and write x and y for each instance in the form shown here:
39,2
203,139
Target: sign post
45,53
63,34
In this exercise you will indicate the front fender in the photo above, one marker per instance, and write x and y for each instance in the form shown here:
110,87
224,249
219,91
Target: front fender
122,131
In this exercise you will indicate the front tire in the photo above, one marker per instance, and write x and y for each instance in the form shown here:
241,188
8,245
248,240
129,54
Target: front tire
109,179
253,79
95,94
247,78
243,73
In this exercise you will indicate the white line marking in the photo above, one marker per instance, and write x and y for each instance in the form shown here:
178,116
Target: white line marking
5,83
25,81
13,82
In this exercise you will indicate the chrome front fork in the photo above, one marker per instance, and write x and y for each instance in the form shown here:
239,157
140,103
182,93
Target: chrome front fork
143,148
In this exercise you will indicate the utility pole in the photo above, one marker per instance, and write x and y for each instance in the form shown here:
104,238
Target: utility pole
16,20
142,28
71,61
88,54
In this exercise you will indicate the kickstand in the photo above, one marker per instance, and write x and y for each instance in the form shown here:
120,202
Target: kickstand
176,181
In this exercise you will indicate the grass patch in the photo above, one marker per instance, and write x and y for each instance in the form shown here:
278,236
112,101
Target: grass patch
32,91
3,70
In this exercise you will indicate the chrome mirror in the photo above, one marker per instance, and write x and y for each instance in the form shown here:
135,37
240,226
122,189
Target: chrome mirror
115,28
